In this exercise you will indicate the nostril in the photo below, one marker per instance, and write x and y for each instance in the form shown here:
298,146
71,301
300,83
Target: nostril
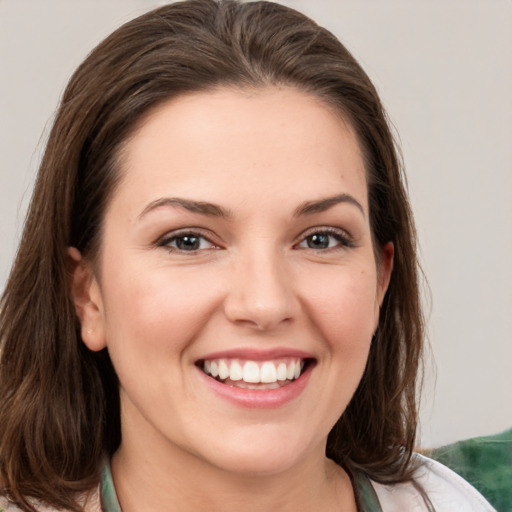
260,319
262,299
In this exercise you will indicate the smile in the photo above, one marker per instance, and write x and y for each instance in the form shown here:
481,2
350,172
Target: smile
247,374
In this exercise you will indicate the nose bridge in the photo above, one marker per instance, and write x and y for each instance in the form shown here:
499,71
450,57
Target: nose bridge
262,290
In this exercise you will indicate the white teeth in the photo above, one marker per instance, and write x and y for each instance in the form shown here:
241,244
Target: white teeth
290,371
268,373
297,370
235,372
281,371
251,372
214,369
223,370
263,374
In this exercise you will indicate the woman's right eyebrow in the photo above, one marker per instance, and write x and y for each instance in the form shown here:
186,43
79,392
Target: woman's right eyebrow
201,207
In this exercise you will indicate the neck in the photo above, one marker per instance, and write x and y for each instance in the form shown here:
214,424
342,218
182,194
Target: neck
179,481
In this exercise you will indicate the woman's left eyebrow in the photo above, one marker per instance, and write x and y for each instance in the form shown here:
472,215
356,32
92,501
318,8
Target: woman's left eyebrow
321,205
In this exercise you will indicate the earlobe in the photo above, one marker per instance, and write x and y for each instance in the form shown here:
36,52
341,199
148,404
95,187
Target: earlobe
86,297
385,270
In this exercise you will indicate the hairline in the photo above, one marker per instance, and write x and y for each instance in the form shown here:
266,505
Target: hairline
119,155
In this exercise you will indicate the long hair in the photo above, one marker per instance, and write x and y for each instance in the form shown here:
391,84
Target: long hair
59,402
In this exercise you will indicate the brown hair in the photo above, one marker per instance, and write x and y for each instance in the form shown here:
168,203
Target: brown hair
59,402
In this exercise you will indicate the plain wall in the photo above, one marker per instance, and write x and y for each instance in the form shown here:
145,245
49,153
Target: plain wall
444,72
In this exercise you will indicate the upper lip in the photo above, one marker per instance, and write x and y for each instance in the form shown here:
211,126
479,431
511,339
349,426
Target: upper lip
257,354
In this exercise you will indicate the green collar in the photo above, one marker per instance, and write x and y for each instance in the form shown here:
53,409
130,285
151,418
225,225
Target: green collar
365,493
366,496
109,501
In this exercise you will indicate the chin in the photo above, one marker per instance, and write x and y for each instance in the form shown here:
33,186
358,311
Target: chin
265,455
259,464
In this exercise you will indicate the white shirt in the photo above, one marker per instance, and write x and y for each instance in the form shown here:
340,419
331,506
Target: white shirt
447,491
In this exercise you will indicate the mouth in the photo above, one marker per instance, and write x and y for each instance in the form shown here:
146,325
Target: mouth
255,375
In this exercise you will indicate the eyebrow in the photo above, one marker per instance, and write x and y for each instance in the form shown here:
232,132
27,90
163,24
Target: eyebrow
202,207
213,210
321,205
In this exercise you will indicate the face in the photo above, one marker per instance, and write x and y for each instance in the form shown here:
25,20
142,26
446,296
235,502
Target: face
237,288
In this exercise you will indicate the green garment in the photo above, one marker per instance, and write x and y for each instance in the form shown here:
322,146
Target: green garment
365,493
486,463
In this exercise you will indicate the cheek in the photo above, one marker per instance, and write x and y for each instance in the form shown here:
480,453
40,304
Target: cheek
341,308
154,311
344,307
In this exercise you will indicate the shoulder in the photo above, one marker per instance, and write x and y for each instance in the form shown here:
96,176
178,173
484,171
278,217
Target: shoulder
445,490
92,503
5,505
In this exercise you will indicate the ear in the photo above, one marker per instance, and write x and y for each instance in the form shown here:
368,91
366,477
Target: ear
385,269
87,299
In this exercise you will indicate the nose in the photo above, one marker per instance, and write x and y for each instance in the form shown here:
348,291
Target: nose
261,293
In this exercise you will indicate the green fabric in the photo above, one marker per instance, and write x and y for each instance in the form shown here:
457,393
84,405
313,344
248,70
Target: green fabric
109,502
366,494
486,463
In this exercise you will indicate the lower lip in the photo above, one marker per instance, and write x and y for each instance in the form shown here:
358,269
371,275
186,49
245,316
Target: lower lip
259,398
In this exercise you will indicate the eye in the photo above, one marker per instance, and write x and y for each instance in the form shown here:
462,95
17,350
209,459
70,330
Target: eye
325,239
187,242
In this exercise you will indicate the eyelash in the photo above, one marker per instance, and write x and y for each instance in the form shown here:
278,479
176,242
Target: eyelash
342,238
197,234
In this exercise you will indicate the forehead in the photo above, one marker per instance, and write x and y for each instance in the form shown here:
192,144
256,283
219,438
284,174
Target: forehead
277,143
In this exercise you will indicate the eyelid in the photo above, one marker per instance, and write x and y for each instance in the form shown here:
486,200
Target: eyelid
164,240
343,236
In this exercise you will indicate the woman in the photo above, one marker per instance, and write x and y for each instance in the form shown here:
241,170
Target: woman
215,300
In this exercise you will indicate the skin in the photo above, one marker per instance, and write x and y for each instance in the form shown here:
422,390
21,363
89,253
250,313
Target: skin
256,282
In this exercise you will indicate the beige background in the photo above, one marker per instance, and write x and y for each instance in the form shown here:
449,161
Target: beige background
444,70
